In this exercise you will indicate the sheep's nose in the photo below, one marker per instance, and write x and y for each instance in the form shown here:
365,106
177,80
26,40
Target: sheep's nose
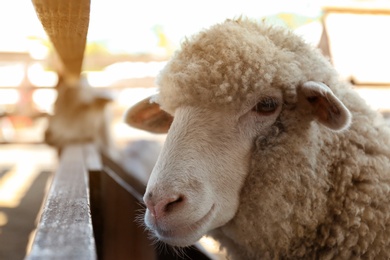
160,207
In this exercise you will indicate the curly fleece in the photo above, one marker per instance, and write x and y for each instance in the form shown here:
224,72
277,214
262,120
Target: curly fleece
235,61
311,193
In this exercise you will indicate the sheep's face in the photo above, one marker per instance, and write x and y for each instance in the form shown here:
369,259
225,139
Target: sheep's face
195,185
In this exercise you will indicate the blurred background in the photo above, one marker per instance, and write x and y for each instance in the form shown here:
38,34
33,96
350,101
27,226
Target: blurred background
128,44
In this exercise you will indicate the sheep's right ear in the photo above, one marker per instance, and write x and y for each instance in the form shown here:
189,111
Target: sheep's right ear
148,116
326,107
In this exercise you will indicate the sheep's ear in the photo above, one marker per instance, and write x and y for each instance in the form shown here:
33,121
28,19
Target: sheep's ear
148,116
326,107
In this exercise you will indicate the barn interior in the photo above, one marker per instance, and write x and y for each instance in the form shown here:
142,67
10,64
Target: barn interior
117,48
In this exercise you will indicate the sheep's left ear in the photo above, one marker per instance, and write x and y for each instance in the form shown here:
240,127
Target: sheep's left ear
148,116
326,107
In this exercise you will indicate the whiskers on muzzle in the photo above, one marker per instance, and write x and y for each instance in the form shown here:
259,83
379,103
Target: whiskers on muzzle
140,215
162,248
168,250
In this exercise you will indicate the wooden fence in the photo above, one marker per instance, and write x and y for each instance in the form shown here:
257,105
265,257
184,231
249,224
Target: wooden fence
91,212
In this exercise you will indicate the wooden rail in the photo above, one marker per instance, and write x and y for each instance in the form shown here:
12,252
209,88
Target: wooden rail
91,211
65,230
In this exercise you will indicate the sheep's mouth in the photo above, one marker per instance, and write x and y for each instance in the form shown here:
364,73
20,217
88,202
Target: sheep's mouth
175,234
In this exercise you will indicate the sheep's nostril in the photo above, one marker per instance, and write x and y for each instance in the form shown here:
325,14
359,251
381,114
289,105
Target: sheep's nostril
171,205
165,206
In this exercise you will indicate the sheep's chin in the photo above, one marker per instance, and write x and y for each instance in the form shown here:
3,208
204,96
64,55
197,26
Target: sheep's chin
185,235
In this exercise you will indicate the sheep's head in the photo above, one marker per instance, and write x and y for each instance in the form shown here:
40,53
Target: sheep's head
79,116
229,86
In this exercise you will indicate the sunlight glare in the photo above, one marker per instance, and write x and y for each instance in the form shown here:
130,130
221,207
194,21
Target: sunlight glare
15,183
27,164
11,75
9,96
44,99
211,245
3,219
40,77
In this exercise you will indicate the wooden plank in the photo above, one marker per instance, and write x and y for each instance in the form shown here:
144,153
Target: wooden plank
377,8
125,179
92,158
122,237
65,228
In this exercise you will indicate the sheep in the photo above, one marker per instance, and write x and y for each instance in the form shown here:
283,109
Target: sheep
269,151
80,115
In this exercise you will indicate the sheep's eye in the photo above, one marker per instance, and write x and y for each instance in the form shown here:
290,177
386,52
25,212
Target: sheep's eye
266,106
